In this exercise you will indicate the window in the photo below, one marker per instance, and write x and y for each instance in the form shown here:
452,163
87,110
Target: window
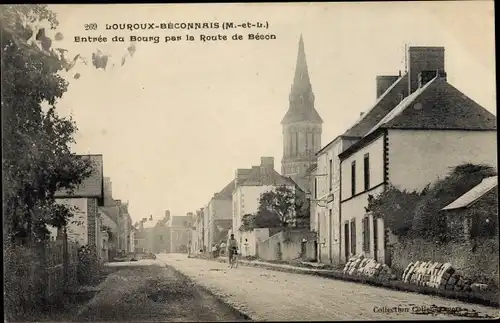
297,143
353,178
315,188
366,234
353,237
330,175
312,144
366,166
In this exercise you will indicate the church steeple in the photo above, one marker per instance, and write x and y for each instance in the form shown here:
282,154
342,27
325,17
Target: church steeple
302,125
301,94
301,82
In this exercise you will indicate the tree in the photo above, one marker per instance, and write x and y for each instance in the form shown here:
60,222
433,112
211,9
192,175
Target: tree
33,28
37,160
282,207
396,207
279,202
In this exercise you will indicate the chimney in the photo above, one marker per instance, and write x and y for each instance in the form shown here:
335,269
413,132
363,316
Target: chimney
425,76
361,114
384,82
241,175
108,191
422,63
267,162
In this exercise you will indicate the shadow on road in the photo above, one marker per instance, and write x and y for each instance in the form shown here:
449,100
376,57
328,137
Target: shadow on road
153,292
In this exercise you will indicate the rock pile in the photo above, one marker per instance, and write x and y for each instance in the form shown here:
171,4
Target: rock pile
359,265
439,276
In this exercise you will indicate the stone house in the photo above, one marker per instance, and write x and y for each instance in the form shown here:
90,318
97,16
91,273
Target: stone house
85,227
250,184
470,216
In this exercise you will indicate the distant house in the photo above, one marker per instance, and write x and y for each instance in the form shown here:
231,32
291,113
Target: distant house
161,235
85,226
180,233
472,214
220,215
250,184
197,232
409,145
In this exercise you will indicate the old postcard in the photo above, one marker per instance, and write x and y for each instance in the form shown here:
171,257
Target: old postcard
250,162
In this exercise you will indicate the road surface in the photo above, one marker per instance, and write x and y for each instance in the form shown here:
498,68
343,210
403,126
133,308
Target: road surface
149,291
273,295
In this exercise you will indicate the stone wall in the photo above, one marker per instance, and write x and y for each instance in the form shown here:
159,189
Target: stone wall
477,260
286,246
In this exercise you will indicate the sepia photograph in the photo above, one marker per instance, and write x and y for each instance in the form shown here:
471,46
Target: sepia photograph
218,162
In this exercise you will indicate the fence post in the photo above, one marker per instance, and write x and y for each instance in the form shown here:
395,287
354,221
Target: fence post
65,259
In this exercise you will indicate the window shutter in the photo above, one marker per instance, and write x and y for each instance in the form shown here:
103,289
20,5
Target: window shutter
367,234
364,234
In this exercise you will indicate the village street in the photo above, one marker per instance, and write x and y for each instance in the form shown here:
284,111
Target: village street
273,295
149,291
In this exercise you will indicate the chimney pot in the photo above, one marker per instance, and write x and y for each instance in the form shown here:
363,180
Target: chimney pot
361,114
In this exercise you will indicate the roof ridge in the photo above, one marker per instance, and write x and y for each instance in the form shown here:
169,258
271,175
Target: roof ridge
403,105
379,99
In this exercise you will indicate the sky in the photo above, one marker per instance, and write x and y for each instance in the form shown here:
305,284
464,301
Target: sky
178,118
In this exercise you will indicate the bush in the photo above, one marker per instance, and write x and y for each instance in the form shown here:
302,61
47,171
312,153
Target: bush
396,208
87,265
427,221
22,281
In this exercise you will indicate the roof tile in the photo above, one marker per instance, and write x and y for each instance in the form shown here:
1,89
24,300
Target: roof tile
92,186
474,194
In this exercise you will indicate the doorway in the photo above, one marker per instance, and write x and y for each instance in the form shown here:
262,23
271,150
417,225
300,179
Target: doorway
330,239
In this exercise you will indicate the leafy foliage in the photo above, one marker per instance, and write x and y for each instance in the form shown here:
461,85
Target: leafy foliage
484,221
282,207
417,214
37,160
33,29
395,207
428,222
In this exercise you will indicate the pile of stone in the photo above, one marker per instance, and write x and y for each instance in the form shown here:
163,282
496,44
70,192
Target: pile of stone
439,276
359,265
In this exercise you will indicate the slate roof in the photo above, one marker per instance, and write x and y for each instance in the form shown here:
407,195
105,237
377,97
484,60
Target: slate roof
266,176
474,194
438,105
301,87
92,186
112,212
226,192
301,113
384,104
179,221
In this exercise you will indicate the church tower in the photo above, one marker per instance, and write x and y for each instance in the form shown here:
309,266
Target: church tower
302,125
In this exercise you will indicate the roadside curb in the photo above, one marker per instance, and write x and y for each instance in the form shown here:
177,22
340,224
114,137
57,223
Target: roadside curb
244,316
468,297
